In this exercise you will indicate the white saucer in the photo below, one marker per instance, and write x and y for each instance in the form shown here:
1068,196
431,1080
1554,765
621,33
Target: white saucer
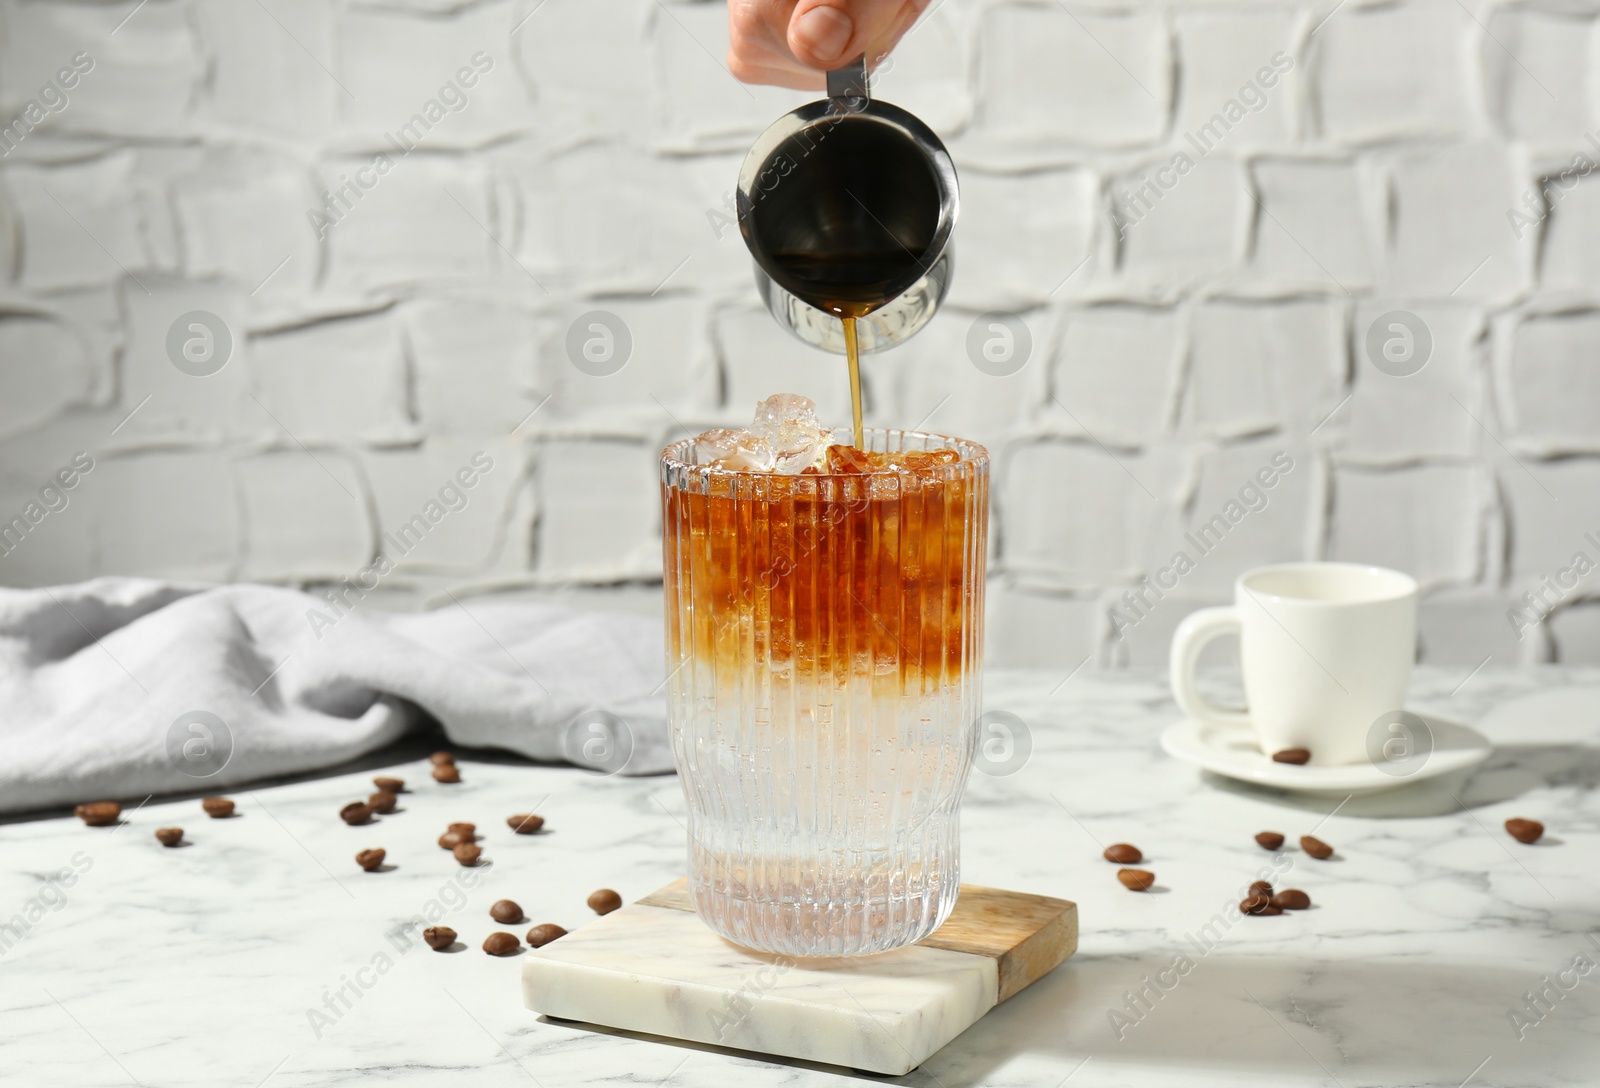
1232,751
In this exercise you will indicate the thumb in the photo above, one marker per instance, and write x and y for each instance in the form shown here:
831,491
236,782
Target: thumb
825,33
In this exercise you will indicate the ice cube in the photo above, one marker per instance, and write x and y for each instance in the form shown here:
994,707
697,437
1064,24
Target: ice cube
739,450
847,460
801,454
789,423
715,445
784,408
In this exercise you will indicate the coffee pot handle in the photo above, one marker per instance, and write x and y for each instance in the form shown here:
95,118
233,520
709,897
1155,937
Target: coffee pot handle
850,82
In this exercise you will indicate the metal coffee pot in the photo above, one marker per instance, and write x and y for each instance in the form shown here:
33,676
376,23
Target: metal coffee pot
847,205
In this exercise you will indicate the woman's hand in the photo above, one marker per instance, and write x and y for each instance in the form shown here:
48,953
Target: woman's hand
792,43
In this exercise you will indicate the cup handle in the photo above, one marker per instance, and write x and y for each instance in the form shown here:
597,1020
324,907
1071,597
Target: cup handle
1196,631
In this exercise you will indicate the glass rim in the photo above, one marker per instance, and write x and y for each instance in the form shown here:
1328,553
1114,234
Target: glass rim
973,457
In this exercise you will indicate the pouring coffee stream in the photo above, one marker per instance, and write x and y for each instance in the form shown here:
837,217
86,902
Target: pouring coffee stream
847,205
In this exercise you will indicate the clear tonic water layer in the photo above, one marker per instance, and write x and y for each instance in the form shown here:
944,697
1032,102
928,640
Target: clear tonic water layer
824,631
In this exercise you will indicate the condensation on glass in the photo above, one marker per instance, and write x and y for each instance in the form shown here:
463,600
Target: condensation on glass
824,639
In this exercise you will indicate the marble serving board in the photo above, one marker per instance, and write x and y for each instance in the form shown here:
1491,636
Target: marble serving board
652,967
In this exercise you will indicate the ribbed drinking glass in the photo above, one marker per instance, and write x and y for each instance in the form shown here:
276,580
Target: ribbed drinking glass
824,638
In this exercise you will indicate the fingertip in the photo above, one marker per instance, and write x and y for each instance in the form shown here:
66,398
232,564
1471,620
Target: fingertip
820,36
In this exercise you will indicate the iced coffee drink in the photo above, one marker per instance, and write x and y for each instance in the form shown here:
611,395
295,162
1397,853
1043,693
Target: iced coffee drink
824,611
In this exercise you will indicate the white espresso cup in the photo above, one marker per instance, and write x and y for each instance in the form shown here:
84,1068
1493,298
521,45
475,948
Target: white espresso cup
1325,649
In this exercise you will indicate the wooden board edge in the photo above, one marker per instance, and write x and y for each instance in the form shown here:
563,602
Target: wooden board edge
994,921
1038,954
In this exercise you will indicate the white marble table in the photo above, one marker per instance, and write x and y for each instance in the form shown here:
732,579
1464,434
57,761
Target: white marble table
204,965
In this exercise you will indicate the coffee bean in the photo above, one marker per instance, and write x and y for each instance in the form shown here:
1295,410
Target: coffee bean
1292,755
604,901
1527,831
1291,899
458,834
99,813
370,860
525,823
541,935
468,853
389,785
1261,887
439,938
355,813
440,758
1137,880
218,808
506,912
1123,854
1316,848
447,773
383,802
1259,904
1269,840
169,836
502,944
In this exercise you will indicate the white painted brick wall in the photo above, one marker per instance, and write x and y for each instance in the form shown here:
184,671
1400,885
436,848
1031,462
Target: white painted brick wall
1547,100
1114,375
584,165
1022,234
1259,366
1314,225
1398,70
1393,419
1076,78
1569,258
